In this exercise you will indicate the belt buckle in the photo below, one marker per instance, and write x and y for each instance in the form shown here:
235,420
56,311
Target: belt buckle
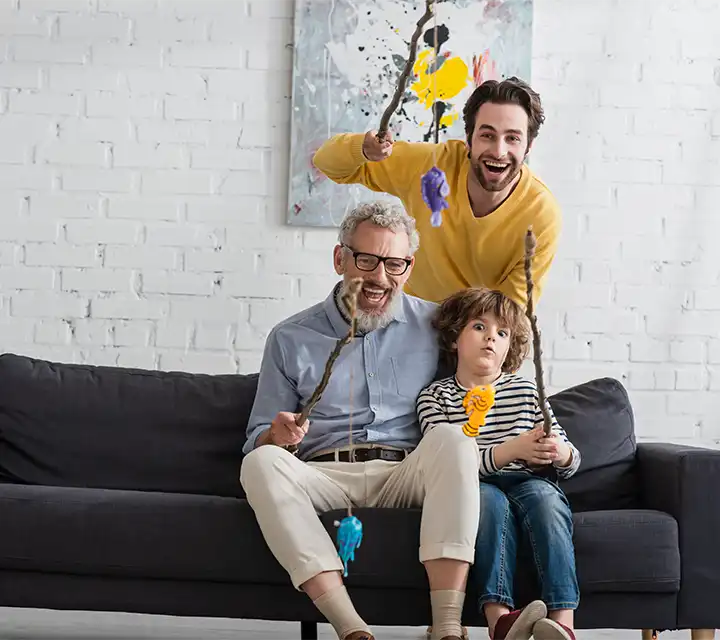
353,454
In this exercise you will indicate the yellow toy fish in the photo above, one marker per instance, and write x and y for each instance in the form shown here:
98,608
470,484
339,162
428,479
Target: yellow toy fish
477,402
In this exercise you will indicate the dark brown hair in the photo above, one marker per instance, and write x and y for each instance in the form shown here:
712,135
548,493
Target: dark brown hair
457,310
508,91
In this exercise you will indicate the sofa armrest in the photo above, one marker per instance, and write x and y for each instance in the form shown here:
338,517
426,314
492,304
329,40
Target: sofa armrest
684,482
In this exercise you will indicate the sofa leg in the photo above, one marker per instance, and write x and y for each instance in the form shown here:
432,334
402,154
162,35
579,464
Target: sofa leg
308,631
702,634
649,634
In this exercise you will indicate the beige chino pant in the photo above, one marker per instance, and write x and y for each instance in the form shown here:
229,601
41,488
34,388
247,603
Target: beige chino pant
440,475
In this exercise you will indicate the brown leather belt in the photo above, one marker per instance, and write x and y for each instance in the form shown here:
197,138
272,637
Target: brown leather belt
363,455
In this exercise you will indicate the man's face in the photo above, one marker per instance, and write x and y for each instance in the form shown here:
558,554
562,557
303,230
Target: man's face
498,145
380,288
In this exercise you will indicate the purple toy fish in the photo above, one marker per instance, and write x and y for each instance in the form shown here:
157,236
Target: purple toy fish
434,189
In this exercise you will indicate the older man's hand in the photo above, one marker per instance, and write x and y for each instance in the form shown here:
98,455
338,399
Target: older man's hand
284,431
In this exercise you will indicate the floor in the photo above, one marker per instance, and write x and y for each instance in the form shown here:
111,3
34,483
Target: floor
16,624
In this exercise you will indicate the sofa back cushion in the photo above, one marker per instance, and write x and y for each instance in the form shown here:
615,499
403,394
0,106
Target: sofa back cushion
117,428
598,419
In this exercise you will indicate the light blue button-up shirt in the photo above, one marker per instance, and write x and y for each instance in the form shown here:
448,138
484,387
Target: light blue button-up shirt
386,368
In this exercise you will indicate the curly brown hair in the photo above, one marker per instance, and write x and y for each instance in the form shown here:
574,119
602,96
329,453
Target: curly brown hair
509,91
457,310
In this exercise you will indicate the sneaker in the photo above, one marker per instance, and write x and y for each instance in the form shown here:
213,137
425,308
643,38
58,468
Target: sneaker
546,629
519,624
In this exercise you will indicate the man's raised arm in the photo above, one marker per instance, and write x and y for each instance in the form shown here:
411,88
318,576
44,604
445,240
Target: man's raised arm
357,158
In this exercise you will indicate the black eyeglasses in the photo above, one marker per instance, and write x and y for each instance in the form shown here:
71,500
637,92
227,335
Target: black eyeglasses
369,262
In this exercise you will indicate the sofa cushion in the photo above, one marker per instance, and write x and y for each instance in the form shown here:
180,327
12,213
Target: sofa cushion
133,534
116,428
598,419
192,537
616,551
629,550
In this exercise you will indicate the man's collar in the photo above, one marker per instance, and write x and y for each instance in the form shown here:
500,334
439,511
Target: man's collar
340,320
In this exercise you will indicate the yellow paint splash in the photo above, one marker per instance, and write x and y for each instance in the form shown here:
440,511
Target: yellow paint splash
450,80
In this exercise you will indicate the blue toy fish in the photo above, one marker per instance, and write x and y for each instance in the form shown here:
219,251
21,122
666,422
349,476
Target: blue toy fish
349,537
434,189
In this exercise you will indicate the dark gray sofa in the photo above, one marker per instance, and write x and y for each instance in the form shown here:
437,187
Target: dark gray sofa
119,492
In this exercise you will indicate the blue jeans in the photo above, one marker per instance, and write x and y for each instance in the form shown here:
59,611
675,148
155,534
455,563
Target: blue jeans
519,504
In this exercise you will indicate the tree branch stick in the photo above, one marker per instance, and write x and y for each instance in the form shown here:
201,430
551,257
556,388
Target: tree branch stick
351,303
530,245
402,81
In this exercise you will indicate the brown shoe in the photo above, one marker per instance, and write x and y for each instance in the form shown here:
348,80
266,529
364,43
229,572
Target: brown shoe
359,635
465,635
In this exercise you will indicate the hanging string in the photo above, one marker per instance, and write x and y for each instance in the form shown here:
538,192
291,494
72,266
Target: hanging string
433,184
350,400
350,530
435,107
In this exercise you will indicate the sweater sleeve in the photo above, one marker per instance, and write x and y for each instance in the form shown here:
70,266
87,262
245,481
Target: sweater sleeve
342,160
430,410
515,285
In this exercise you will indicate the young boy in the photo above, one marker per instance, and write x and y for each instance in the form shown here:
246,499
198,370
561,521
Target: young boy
485,335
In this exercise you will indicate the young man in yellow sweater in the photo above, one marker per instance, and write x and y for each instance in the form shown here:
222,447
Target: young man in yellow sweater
493,199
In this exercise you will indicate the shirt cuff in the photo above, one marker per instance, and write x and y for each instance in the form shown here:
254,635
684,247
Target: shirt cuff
487,461
251,442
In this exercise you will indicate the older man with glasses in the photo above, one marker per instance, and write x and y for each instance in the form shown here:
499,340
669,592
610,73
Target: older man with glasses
392,359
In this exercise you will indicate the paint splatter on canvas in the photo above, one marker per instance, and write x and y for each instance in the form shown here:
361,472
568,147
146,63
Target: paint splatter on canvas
348,57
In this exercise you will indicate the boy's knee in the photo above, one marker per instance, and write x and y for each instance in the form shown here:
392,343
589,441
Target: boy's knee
494,506
551,508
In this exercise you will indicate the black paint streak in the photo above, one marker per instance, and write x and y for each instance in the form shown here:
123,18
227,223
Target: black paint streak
439,108
443,34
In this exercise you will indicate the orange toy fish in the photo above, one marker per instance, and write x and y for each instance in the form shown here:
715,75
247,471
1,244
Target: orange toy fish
477,402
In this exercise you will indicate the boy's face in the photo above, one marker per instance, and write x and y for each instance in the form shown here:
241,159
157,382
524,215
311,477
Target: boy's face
483,345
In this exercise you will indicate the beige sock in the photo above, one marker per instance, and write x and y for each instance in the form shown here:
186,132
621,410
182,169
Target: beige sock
337,607
447,609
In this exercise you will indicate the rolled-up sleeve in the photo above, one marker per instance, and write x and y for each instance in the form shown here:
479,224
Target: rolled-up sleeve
275,391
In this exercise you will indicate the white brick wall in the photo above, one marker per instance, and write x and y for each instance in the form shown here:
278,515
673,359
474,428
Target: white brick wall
143,183
632,91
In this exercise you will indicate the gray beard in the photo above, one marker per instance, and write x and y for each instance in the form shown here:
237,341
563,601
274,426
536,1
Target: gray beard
367,322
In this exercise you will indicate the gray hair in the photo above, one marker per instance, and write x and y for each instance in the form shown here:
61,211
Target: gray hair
383,214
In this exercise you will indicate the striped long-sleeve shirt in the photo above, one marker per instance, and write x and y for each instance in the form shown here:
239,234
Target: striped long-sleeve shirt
516,410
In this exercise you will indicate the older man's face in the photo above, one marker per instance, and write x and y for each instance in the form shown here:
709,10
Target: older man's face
382,283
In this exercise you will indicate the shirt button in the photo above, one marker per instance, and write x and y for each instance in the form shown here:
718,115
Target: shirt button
374,408
371,374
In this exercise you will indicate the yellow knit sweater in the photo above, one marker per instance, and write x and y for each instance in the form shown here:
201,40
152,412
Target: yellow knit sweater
464,251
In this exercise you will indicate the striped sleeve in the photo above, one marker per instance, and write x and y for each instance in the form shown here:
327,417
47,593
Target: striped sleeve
430,410
487,461
557,430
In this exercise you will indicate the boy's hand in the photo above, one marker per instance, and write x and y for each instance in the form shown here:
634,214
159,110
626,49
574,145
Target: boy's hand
374,150
534,448
564,455
283,430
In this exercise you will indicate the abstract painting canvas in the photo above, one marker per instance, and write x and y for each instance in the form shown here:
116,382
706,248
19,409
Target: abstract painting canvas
348,57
